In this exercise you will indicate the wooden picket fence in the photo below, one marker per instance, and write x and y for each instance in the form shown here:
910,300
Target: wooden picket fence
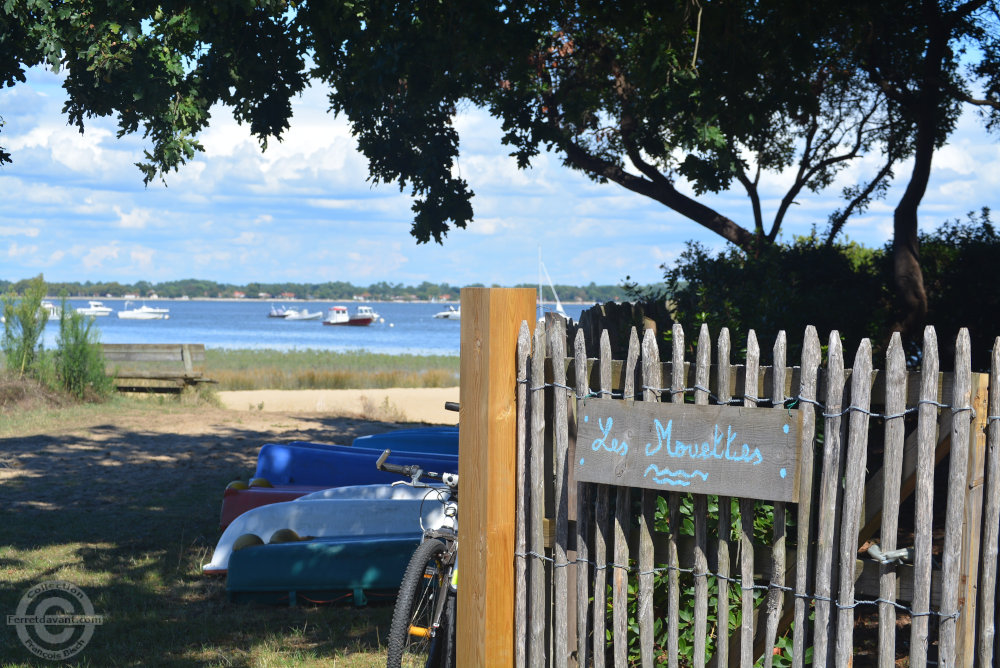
638,573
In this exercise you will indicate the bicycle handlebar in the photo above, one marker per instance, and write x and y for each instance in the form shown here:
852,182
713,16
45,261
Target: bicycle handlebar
413,471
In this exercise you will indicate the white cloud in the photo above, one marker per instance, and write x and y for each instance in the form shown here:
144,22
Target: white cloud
142,257
16,250
10,231
97,256
136,219
246,239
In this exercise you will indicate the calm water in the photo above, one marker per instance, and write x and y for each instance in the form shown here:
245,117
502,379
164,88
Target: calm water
407,328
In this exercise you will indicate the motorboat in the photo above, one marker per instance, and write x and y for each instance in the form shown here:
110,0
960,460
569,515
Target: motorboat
337,315
51,310
94,308
362,317
451,313
130,312
277,312
303,314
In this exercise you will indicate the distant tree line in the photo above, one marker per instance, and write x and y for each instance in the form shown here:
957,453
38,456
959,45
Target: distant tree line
331,291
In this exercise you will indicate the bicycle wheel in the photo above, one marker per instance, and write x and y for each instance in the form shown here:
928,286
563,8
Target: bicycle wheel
413,640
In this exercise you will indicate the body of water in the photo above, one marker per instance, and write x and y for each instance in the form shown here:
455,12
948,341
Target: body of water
405,327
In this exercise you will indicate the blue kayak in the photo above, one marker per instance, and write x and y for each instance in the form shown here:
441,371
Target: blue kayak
321,465
322,570
442,440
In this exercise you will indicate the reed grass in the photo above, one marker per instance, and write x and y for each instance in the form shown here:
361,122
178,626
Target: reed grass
322,369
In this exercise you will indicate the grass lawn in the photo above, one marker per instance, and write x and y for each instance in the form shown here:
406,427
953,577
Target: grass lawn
120,501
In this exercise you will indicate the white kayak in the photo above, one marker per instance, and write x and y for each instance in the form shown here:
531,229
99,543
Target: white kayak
358,510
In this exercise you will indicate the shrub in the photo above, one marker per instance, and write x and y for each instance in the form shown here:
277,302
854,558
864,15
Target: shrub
79,360
783,287
24,320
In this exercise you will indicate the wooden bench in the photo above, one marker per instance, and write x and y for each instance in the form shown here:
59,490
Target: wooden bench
155,367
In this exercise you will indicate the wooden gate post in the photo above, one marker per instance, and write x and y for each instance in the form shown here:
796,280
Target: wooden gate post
491,318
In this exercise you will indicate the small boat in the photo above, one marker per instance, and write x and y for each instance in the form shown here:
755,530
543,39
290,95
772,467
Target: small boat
451,314
50,309
338,569
304,314
239,497
94,308
277,312
357,510
321,465
130,312
364,316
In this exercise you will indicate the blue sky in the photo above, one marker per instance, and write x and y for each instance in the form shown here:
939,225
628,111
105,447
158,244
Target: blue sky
75,209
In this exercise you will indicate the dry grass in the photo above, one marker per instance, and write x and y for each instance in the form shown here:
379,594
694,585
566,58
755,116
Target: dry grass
325,370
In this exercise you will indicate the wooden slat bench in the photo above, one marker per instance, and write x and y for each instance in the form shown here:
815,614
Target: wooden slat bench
155,367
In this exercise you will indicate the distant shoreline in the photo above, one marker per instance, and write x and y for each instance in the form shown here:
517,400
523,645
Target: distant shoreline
280,301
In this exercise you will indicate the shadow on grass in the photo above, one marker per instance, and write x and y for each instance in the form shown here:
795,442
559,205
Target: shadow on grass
129,515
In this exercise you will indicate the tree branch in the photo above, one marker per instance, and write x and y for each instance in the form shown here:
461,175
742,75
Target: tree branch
663,192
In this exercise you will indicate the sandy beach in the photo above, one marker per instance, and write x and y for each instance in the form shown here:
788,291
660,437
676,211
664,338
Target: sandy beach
395,404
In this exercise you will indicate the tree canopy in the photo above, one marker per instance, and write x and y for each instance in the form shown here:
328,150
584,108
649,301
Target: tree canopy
662,98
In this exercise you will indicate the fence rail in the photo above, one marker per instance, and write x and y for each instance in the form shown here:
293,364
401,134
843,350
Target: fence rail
646,572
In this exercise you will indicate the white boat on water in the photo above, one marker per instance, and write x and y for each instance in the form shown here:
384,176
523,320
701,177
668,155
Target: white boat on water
53,311
277,312
451,314
304,314
364,316
143,312
94,308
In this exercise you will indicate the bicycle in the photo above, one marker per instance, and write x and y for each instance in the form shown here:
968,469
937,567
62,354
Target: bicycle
422,632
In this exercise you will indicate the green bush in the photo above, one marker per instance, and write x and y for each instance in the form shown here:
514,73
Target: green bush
24,320
844,287
79,360
783,287
962,290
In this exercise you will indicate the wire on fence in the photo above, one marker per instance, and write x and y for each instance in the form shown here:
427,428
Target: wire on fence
739,582
787,402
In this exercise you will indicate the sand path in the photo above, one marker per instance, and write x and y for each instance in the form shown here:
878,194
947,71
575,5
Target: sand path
395,404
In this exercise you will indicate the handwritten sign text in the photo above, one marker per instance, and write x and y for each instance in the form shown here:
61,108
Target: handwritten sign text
735,451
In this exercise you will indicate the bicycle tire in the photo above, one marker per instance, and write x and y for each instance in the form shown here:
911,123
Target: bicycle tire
425,580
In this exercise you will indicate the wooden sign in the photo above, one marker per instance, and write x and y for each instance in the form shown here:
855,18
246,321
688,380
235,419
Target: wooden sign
734,451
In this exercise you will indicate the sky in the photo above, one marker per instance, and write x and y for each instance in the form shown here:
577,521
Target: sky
74,207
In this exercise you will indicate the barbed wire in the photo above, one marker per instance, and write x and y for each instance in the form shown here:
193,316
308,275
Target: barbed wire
787,402
791,591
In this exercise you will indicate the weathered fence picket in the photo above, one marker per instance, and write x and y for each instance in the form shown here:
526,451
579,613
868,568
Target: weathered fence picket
563,598
523,498
829,498
892,465
677,385
537,613
583,517
725,527
926,440
747,509
651,380
775,594
991,519
703,368
602,524
560,437
807,400
854,482
951,556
